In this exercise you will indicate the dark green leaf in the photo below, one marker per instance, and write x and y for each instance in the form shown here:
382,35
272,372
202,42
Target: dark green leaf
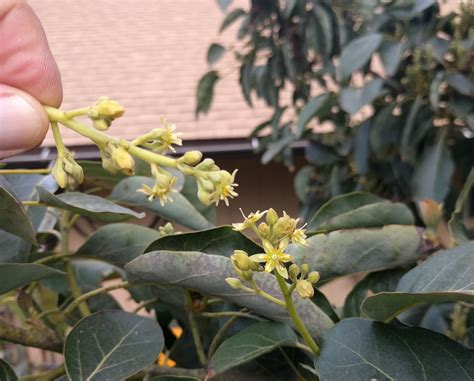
407,146
14,249
433,171
375,282
308,111
111,345
340,205
358,52
207,273
215,53
13,218
88,205
224,4
391,54
320,154
370,216
444,277
343,252
6,372
14,275
358,349
174,378
118,243
24,186
301,182
274,148
250,343
434,89
361,148
461,83
325,27
180,210
205,91
456,228
324,304
352,99
219,241
231,18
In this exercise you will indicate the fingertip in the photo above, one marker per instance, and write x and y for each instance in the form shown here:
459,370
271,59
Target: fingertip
23,122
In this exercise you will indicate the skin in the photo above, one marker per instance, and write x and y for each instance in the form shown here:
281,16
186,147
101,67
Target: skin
29,78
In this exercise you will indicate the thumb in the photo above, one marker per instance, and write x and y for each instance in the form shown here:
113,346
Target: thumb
23,122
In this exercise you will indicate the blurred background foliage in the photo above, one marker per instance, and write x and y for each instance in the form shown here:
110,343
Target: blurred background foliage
381,91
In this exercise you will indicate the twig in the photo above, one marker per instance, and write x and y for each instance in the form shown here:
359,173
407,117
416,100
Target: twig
46,376
230,314
220,334
194,328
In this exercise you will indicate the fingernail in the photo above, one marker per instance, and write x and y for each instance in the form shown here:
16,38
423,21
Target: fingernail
20,125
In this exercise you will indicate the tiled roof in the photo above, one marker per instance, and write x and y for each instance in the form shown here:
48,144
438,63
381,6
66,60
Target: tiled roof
149,56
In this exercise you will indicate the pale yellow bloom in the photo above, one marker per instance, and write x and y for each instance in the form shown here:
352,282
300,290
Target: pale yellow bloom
298,237
274,258
160,190
224,189
168,137
249,220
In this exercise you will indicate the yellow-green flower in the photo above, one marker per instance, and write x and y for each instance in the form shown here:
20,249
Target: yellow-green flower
224,189
274,258
160,190
249,220
168,137
285,225
304,288
298,237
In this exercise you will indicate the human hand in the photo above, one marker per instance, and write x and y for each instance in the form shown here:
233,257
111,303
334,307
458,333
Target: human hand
29,77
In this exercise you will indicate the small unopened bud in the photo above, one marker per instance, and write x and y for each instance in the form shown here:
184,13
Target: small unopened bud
304,269
263,230
207,165
304,288
204,196
241,260
313,277
123,160
234,283
430,212
166,230
101,124
294,271
272,217
255,266
109,108
247,275
192,157
207,185
59,174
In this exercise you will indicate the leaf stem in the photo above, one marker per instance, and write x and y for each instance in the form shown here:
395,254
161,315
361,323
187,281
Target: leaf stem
75,290
46,376
52,258
220,334
194,328
42,171
230,314
82,298
290,306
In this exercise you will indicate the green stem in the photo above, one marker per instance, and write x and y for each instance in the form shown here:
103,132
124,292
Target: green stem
75,290
46,376
194,328
77,112
220,334
290,306
52,258
102,139
33,203
262,293
43,171
82,298
230,314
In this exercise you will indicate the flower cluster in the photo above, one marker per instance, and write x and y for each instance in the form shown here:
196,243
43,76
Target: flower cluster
214,184
275,234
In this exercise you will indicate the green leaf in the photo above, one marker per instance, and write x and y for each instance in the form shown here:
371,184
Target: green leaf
301,182
358,52
370,216
433,171
407,146
456,228
13,218
207,273
358,349
340,205
14,249
180,210
391,54
325,27
215,53
14,275
361,149
88,205
118,243
344,252
111,345
6,372
24,186
205,91
384,133
308,111
250,343
218,241
231,18
461,83
352,99
375,282
435,88
275,148
174,378
444,277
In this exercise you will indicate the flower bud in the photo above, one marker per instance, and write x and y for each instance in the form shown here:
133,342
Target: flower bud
192,157
272,217
59,173
206,165
204,196
234,283
313,277
123,160
304,269
101,124
247,275
430,212
294,271
109,108
263,230
304,288
255,266
241,260
207,185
